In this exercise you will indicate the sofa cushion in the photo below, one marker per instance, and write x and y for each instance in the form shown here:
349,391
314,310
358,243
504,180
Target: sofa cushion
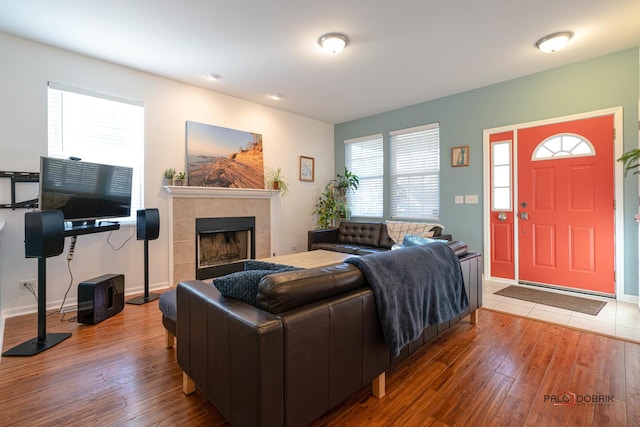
366,250
168,305
336,247
281,292
360,233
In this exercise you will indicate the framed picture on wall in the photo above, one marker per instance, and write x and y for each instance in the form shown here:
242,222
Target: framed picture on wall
307,168
460,156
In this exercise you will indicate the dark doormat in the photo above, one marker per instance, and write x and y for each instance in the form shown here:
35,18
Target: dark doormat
568,302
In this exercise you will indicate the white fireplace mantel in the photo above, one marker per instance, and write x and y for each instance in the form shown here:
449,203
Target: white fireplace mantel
231,193
187,203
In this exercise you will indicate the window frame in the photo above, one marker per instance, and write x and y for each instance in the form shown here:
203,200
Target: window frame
132,156
375,177
430,157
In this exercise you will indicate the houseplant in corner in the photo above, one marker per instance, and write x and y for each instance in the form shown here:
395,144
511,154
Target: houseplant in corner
332,203
346,182
276,181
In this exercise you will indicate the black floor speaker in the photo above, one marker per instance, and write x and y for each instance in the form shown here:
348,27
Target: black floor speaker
100,298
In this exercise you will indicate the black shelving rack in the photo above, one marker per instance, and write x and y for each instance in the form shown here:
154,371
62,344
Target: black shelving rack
20,177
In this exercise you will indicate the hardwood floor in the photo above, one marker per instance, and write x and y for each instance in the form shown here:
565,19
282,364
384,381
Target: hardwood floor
497,372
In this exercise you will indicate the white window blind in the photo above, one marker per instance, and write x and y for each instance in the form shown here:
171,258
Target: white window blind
98,129
364,158
415,173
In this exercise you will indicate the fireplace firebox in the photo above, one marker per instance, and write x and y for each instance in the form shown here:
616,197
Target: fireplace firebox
222,244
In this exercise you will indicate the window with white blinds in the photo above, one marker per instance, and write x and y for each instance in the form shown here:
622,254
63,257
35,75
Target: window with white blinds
364,158
98,129
415,173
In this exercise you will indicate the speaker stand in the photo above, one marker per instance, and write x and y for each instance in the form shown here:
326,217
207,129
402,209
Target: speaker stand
147,297
44,340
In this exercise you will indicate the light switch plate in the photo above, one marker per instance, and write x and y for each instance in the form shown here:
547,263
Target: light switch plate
471,199
458,200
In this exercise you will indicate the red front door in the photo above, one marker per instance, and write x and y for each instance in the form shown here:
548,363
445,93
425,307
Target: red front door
565,205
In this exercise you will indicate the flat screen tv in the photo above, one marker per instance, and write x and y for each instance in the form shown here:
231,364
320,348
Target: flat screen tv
85,191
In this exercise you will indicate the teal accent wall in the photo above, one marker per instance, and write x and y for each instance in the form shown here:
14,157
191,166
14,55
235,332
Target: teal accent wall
604,82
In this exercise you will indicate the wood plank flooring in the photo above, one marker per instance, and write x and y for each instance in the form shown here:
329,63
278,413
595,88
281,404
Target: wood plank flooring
497,372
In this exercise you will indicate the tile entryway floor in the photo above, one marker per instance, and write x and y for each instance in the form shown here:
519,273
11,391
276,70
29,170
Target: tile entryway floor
617,319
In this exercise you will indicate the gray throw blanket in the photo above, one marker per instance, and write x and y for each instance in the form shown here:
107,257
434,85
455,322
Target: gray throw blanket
414,287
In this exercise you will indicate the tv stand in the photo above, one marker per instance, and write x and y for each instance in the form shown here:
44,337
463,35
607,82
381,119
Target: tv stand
77,228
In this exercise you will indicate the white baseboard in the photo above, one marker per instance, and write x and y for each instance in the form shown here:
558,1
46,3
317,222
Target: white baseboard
71,303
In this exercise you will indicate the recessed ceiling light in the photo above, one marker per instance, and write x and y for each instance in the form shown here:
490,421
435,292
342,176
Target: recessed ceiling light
214,76
276,96
554,41
333,42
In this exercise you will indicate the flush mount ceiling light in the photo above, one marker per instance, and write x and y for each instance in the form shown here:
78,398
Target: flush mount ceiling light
333,42
554,41
276,97
214,76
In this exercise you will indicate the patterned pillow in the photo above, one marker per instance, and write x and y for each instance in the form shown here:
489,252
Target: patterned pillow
410,240
241,285
398,229
253,264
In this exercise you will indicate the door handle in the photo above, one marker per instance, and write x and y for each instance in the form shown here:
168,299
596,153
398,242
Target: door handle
524,215
502,216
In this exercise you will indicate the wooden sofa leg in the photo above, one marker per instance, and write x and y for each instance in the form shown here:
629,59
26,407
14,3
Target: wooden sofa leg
473,317
188,386
171,339
378,386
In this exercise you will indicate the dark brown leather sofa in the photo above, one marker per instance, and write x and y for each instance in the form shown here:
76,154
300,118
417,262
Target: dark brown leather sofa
312,341
358,238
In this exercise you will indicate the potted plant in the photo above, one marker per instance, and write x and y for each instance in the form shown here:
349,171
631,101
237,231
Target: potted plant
346,182
332,203
631,161
168,176
179,178
276,180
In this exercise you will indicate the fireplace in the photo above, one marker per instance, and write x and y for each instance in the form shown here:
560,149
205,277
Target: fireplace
222,244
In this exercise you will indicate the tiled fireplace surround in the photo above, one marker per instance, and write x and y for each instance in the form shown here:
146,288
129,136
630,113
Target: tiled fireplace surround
188,203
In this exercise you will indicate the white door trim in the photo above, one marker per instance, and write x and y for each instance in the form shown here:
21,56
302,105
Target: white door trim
618,190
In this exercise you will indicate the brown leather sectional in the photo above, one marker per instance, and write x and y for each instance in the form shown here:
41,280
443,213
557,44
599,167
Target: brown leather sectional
312,340
358,238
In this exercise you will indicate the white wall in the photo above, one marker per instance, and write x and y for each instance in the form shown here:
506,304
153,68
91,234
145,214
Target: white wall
26,69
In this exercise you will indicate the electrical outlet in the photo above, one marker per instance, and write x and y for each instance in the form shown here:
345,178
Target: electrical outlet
28,284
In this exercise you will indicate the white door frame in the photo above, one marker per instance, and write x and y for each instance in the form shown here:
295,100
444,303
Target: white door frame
618,191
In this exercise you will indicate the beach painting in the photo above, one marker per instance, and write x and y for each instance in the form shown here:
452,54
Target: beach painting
223,157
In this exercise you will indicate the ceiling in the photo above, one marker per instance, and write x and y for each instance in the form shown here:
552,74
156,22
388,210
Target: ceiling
401,52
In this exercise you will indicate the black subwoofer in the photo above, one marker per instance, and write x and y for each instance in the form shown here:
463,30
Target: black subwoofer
100,298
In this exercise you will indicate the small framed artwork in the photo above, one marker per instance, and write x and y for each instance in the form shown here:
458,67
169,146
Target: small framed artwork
460,156
307,168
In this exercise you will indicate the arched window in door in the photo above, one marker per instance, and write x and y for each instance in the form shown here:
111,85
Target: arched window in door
563,145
